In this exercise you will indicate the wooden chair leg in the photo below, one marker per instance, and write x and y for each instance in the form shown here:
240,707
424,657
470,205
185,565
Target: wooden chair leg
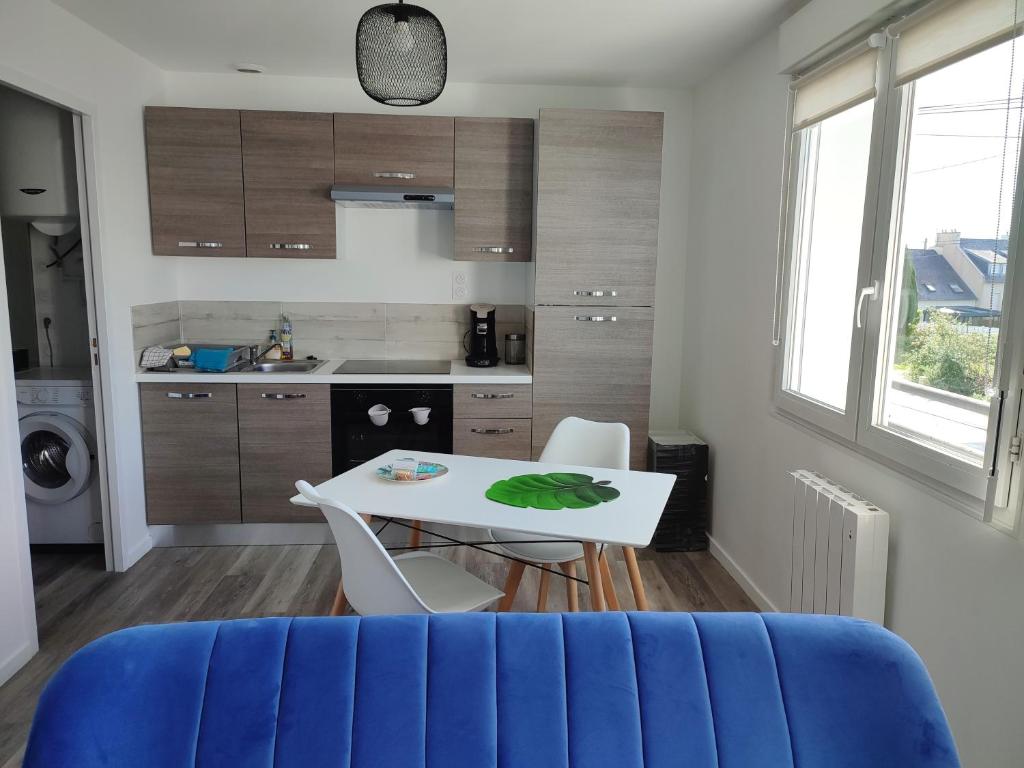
542,590
340,601
515,575
609,588
415,535
572,591
639,595
594,576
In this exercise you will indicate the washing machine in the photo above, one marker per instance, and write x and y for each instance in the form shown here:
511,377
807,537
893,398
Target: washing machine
58,455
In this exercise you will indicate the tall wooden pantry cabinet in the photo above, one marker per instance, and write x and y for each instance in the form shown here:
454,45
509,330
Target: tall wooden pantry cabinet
597,205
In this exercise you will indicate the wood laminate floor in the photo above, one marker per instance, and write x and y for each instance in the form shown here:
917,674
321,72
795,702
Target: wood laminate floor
77,601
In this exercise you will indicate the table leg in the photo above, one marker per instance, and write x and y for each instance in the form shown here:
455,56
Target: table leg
415,535
594,576
572,590
634,579
609,586
340,602
542,590
515,575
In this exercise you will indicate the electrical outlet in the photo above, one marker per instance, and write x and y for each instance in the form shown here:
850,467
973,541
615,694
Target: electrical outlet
460,285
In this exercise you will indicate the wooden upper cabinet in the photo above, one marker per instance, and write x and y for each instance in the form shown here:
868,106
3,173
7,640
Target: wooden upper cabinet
493,189
289,170
194,158
394,150
598,196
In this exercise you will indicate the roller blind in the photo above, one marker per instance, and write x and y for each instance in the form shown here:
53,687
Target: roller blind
836,87
951,30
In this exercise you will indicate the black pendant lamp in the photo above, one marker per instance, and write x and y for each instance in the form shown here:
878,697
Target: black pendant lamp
401,55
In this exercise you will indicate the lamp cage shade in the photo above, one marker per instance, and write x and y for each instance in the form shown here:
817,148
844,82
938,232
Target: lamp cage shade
401,55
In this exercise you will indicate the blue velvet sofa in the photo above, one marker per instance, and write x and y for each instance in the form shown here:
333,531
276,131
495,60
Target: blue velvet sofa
504,690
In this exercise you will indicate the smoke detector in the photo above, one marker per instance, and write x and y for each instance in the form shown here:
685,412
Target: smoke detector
251,69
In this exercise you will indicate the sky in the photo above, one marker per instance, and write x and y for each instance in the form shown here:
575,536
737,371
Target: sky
959,161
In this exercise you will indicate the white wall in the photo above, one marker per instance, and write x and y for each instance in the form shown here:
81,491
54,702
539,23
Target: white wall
47,51
956,586
409,259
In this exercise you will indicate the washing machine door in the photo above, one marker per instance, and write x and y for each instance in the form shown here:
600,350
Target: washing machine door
56,457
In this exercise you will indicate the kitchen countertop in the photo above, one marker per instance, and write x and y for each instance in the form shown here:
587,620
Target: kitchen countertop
324,374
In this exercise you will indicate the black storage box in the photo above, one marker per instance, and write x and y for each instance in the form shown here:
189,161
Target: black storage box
684,523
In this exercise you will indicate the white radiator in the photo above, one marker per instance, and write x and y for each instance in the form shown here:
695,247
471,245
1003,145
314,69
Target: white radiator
840,550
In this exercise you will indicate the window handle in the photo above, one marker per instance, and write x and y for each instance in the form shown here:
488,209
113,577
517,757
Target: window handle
866,292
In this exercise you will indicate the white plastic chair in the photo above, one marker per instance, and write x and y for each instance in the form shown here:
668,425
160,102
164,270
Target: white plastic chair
414,582
582,443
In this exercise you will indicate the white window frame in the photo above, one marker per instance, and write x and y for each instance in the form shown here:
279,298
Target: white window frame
993,492
840,422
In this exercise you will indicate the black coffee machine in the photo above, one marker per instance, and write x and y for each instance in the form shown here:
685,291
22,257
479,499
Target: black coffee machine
483,343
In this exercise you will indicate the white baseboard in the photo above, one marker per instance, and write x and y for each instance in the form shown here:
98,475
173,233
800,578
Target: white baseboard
136,553
231,535
17,660
746,583
234,535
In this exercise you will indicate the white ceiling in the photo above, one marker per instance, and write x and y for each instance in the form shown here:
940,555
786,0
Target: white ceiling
669,43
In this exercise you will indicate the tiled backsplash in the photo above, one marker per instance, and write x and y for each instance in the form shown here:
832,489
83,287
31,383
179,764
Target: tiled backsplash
328,330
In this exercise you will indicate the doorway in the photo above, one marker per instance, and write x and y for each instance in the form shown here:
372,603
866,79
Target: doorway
51,299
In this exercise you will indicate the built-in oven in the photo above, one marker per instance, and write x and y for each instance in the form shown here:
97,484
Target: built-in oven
357,438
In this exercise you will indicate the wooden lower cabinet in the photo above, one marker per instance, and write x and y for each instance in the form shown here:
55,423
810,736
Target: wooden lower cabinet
492,401
284,435
190,448
492,438
594,363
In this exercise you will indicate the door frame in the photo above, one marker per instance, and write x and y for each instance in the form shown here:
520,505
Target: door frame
85,174
84,115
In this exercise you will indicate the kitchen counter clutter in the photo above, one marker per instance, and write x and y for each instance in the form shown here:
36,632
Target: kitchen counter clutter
324,373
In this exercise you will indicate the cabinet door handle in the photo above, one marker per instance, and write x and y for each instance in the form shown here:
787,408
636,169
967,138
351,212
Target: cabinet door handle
494,249
492,395
492,431
199,244
596,318
190,395
597,294
283,395
393,175
291,246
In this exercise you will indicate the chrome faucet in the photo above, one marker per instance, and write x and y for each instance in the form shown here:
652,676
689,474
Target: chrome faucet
254,352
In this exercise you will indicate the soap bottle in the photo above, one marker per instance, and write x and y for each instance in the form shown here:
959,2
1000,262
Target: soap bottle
274,346
287,353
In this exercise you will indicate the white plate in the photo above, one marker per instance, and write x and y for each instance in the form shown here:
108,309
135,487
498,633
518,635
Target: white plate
426,470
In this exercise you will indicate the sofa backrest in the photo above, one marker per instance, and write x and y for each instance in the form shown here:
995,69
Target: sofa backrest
639,690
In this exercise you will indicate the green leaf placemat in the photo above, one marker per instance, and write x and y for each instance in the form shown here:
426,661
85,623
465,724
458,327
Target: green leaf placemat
555,490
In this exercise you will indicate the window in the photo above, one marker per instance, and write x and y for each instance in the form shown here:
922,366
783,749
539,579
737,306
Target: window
833,114
829,216
896,262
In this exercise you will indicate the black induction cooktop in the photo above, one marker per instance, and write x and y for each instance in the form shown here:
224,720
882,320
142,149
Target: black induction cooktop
395,366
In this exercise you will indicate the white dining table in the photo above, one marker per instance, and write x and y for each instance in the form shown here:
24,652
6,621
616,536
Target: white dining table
458,498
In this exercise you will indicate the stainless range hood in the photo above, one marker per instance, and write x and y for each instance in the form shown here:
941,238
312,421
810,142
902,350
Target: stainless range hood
429,198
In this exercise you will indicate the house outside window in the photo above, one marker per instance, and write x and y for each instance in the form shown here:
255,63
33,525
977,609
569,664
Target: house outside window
897,251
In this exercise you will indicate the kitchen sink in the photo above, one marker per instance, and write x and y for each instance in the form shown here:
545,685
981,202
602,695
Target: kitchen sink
284,366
